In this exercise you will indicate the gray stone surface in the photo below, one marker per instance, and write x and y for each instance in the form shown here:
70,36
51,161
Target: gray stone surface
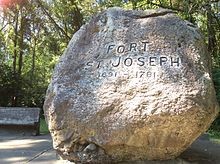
136,84
19,120
19,116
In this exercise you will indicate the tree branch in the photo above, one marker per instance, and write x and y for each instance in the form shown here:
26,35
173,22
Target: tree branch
214,1
52,20
6,25
163,6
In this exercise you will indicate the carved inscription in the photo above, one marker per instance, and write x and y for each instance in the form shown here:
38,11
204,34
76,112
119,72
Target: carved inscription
133,47
136,74
140,61
136,63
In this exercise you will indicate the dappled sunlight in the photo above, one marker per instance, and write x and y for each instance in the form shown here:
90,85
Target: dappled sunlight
4,3
15,159
18,149
18,144
11,3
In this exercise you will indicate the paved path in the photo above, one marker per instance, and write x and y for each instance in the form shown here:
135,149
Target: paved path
18,150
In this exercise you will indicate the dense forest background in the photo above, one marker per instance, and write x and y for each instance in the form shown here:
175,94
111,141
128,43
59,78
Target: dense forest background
34,34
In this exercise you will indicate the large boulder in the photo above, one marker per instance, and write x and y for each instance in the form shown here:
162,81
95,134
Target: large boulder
132,85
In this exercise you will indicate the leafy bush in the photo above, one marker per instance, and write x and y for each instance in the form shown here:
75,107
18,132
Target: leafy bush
215,127
216,80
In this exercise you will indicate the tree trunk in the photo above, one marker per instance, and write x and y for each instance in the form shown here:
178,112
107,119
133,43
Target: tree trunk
21,45
212,42
15,40
33,61
52,20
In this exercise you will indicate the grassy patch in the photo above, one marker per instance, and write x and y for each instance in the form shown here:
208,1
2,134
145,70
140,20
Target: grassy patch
43,126
214,134
214,130
215,140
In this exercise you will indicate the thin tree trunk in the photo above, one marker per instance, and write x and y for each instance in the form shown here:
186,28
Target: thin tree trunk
211,34
21,45
33,61
15,40
15,43
52,20
79,17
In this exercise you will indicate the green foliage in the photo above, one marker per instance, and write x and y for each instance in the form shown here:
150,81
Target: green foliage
43,127
215,127
213,133
6,85
34,34
29,49
216,80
